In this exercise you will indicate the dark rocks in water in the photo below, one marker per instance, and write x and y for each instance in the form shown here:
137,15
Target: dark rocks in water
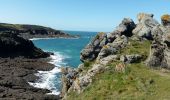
13,46
33,31
14,77
18,65
165,19
145,26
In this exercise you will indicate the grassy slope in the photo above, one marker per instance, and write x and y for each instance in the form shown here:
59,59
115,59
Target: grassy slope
24,27
139,82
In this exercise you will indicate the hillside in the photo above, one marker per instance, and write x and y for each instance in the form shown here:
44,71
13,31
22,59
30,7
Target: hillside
130,63
33,31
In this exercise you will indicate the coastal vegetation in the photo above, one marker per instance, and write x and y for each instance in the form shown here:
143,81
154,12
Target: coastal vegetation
132,62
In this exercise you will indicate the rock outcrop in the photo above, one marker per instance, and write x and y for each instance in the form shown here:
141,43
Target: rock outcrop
103,49
160,52
68,77
105,44
145,26
13,46
106,48
114,47
124,28
156,58
91,51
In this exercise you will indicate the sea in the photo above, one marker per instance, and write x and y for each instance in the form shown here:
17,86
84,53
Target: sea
66,54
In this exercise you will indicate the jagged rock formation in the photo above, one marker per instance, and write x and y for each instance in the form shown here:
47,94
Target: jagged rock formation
91,51
105,42
114,47
13,46
105,48
145,26
159,51
33,31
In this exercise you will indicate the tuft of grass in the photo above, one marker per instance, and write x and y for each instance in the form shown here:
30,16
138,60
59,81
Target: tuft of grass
87,66
137,47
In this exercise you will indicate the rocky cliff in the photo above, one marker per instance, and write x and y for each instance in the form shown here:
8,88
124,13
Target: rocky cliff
33,31
13,45
118,57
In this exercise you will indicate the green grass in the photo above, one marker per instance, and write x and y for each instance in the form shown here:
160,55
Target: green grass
12,26
87,66
138,82
24,27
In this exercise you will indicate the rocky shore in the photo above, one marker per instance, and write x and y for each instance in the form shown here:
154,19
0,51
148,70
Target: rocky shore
127,45
19,61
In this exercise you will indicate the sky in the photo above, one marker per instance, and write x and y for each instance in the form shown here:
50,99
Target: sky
79,15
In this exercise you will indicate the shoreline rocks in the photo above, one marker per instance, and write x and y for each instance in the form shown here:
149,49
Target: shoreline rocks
19,61
15,73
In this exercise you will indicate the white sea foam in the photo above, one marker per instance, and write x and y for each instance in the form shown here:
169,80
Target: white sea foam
47,78
33,39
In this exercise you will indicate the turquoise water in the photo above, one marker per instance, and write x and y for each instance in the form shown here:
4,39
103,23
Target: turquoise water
66,53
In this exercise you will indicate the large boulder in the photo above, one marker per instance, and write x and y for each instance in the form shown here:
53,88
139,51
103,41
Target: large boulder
165,19
157,56
124,28
83,81
133,58
145,26
13,46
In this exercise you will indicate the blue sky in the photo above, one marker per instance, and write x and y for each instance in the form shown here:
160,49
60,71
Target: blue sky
80,15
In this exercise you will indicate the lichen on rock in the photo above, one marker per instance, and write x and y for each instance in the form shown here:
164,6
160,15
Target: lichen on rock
165,19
